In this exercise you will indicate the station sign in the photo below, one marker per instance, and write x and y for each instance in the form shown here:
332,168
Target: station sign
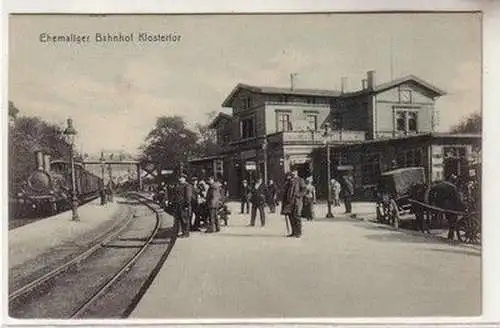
250,166
166,172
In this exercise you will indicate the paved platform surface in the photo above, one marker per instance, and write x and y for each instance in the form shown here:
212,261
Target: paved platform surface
341,267
31,240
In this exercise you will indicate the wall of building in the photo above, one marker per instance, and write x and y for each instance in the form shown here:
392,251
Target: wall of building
298,112
238,104
387,102
353,113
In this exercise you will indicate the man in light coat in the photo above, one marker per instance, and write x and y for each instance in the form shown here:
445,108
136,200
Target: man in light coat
214,201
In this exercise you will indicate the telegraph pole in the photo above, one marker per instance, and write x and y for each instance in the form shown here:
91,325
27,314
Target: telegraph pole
292,80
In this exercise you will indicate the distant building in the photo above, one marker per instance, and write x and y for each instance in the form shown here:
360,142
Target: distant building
273,129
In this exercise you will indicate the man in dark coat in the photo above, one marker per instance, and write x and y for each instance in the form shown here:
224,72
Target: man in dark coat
272,193
258,201
214,201
347,191
292,202
194,204
182,205
245,193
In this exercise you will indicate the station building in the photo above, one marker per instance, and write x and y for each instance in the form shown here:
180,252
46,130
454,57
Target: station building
273,129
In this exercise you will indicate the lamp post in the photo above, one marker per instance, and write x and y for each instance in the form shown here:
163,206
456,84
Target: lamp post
328,172
70,133
103,170
264,149
110,172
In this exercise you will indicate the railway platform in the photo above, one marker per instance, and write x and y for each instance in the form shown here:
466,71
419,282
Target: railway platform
341,267
32,240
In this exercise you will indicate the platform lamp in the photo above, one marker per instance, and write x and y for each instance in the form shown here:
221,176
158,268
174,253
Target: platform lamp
70,134
103,172
326,134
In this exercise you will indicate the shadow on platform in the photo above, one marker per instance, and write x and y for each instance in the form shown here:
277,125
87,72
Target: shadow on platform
458,251
255,235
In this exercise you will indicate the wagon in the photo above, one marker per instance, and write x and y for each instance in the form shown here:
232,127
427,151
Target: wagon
393,193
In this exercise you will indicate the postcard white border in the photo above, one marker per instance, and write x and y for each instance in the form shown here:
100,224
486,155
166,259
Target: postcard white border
491,134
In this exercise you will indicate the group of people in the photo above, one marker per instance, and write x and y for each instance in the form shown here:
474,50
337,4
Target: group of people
298,199
201,202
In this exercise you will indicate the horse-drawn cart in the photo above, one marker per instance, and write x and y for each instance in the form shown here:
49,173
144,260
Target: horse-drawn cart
404,191
393,193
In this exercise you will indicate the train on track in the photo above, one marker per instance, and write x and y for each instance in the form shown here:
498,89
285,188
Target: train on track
48,190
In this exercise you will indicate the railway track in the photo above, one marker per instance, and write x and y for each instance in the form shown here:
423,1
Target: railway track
80,287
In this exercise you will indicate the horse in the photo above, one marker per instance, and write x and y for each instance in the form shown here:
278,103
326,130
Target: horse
442,194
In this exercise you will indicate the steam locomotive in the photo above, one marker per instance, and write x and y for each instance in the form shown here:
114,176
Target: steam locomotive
48,190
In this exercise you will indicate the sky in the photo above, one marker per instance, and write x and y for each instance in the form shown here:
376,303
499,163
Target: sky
115,91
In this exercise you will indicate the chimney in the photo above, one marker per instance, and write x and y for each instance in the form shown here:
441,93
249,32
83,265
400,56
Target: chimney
371,77
364,83
343,84
39,159
46,163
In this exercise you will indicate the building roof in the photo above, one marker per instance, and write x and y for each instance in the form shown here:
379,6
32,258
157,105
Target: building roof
278,90
332,93
220,117
396,82
424,136
204,159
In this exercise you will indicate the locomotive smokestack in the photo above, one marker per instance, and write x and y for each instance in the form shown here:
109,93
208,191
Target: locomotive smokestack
39,159
46,163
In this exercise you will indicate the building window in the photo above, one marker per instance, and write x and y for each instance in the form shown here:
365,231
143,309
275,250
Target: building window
405,96
312,122
283,99
412,121
284,122
311,100
406,121
247,103
400,121
370,169
247,128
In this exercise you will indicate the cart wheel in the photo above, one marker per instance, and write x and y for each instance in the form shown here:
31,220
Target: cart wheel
469,230
394,213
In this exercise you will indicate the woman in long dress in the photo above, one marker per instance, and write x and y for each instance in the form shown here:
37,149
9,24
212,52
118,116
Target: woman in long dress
309,200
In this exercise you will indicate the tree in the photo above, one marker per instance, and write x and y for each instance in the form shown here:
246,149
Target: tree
27,135
13,111
170,143
207,143
471,124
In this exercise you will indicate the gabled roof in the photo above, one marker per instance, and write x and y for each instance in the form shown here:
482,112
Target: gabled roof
332,93
219,118
277,90
409,78
397,82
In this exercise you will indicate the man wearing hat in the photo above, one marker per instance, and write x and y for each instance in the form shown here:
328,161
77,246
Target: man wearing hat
245,195
214,201
194,203
292,202
182,205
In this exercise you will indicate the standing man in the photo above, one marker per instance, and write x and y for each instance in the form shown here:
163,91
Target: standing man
347,191
292,202
214,201
245,194
194,204
258,201
272,193
182,204
336,187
